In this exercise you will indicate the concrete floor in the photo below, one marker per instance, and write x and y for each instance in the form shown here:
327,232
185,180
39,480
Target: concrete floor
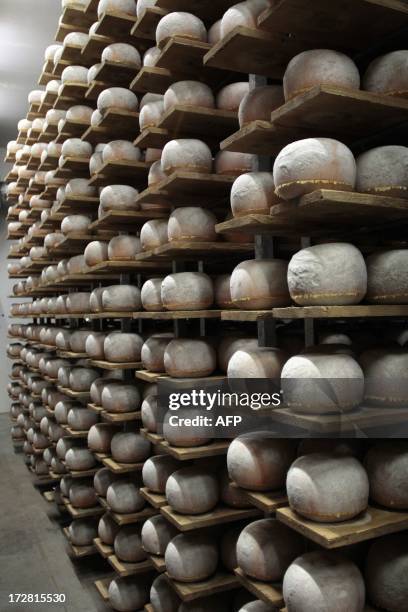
33,556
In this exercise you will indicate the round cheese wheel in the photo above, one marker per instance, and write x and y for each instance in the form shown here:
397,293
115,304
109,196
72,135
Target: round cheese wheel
50,51
228,162
333,273
260,284
266,548
124,247
191,557
229,494
222,291
80,113
95,163
187,291
385,381
231,96
180,434
319,67
75,147
387,74
66,481
103,479
256,363
118,298
80,379
129,447
313,163
142,5
77,265
107,529
156,535
124,497
75,224
128,544
181,24
383,171
386,464
186,154
189,357
122,347
214,32
153,414
95,252
96,118
152,154
156,174
82,495
243,14
74,74
82,531
156,472
79,459
253,193
76,39
78,302
162,596
259,463
192,490
122,53
188,93
79,187
385,573
152,353
150,57
95,300
192,223
120,150
61,411
122,6
127,594
94,345
153,234
330,581
118,197
259,103
151,115
119,398
117,97
322,383
327,488
386,272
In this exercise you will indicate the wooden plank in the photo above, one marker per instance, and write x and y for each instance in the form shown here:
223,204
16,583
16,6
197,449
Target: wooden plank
340,312
129,266
190,250
153,137
213,449
108,365
218,516
105,550
78,17
129,172
83,473
49,496
116,25
135,517
121,468
72,433
130,569
373,523
266,501
219,583
75,204
102,587
120,417
155,499
158,562
145,26
150,377
83,512
116,74
79,551
181,186
177,314
121,219
75,394
183,54
93,49
154,80
77,166
265,591
183,121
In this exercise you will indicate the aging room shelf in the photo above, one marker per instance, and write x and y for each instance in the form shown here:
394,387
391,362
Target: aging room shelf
317,312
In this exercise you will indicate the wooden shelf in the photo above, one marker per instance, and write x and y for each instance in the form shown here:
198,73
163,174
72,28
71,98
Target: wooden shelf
317,312
83,473
72,433
128,266
130,569
145,26
105,550
136,517
120,417
154,80
128,172
116,25
218,516
72,129
78,17
373,523
78,204
75,394
176,315
158,563
265,591
72,54
73,167
220,582
121,219
75,91
102,586
109,365
115,124
193,251
94,89
150,377
155,499
94,47
211,189
72,244
266,501
121,468
116,74
83,512
328,111
213,449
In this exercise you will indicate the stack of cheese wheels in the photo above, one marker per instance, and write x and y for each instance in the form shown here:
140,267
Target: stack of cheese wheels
323,575
382,171
120,397
187,291
258,104
192,223
387,277
190,358
386,384
327,488
386,463
322,383
185,154
313,163
260,284
191,557
182,24
327,274
319,67
388,74
253,193
266,548
243,14
386,571
192,490
156,471
258,462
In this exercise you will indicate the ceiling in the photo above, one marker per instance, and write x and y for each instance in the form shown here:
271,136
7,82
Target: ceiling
27,27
